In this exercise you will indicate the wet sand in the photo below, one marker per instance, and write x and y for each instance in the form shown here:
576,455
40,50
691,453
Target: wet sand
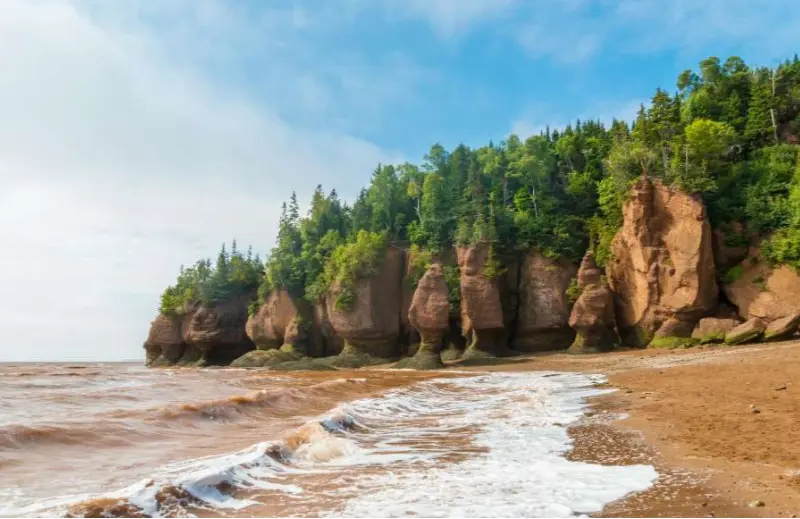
721,425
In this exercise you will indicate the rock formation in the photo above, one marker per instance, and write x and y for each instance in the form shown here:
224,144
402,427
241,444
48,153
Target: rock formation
543,319
592,315
209,335
746,332
713,329
783,328
429,313
759,290
662,270
371,327
482,316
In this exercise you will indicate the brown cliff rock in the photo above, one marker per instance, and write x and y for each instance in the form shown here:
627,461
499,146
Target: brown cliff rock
483,317
759,290
164,345
662,267
783,328
284,322
543,320
592,316
429,313
370,328
218,331
713,329
730,246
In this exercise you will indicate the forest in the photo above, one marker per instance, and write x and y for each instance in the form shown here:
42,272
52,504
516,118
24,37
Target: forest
729,133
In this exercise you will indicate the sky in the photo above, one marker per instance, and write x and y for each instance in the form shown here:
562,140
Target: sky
138,135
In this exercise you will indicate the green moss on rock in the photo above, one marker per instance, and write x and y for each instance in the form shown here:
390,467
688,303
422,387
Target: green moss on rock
672,343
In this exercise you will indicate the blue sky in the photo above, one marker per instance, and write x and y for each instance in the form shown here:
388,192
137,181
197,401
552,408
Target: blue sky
138,135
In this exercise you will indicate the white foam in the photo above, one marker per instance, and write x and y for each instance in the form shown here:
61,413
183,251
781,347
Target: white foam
401,439
522,418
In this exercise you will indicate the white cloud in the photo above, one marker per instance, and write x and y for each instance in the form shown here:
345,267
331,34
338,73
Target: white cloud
119,162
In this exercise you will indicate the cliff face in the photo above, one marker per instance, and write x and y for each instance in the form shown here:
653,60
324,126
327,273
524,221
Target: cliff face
659,283
204,335
542,322
371,327
484,317
760,291
592,316
662,271
284,321
429,314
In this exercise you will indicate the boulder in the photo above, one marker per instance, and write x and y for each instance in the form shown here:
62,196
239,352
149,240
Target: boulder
592,316
662,267
543,319
759,290
482,315
370,327
783,328
713,329
429,313
748,331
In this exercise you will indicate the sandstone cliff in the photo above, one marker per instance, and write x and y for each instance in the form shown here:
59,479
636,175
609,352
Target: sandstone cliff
760,291
662,270
429,314
370,328
284,321
483,318
592,315
542,322
209,335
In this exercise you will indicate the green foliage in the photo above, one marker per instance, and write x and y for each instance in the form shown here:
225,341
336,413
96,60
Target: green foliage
733,275
232,275
573,292
452,276
728,135
348,263
419,261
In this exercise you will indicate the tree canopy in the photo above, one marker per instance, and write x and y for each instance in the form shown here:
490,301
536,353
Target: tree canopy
728,133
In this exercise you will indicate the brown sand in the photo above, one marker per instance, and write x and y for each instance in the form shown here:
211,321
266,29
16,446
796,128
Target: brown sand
721,425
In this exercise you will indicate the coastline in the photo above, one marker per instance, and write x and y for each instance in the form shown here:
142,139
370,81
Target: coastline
718,423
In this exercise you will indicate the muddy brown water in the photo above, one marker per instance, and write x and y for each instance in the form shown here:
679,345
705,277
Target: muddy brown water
122,440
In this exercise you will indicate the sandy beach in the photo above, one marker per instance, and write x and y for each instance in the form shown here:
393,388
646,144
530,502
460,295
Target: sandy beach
719,424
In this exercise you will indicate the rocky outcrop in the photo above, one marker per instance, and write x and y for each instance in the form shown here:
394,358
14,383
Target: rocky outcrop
218,331
213,334
429,313
713,329
483,318
370,327
759,290
283,321
662,270
543,319
164,345
783,328
749,331
592,315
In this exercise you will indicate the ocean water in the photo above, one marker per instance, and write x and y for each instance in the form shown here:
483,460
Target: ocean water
121,440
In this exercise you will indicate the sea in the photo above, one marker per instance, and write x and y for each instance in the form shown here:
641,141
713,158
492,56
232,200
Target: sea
121,440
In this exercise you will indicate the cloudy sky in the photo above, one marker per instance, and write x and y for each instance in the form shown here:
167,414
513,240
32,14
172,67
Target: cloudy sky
138,135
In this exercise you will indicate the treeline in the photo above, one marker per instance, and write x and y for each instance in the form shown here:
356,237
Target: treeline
729,133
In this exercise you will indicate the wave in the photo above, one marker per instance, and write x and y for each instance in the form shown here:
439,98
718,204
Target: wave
485,445
117,427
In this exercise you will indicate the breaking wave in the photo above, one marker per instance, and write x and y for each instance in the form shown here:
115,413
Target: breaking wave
485,445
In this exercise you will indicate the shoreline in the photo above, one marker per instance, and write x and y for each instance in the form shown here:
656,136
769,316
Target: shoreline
717,423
